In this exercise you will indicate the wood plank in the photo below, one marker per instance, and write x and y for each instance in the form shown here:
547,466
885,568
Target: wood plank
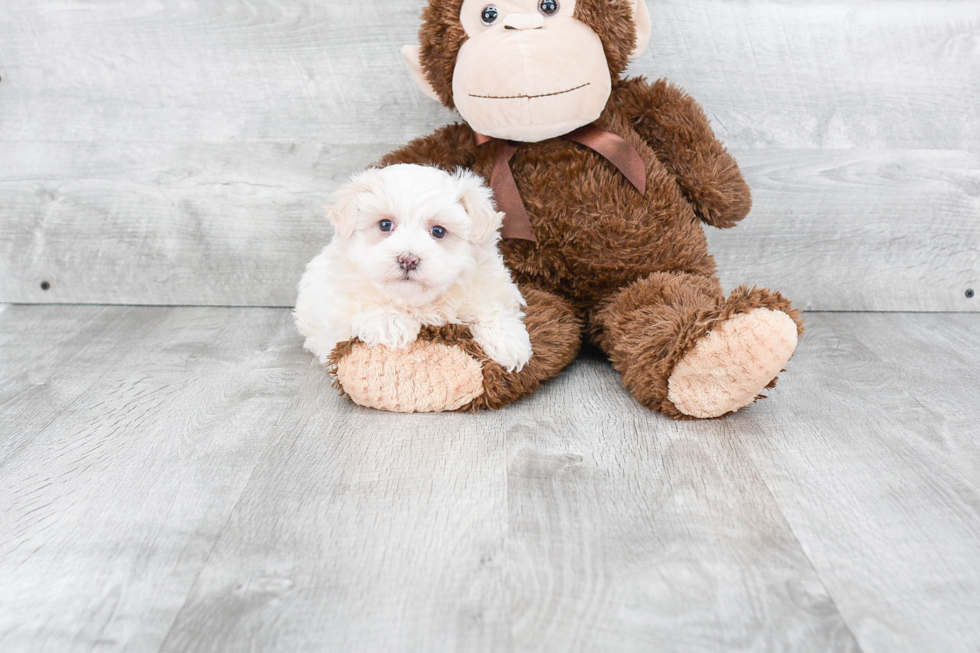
878,74
850,230
606,520
181,153
629,532
202,224
197,224
110,509
874,459
361,532
798,75
89,341
204,488
400,541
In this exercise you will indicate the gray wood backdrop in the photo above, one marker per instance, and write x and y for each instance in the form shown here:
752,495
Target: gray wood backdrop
181,152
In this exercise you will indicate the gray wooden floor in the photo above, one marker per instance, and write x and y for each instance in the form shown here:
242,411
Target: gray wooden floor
185,479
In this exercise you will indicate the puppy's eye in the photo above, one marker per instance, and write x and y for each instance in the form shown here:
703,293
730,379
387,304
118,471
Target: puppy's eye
438,232
386,225
548,7
489,15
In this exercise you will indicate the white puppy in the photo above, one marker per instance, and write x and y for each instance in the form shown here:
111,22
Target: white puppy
412,246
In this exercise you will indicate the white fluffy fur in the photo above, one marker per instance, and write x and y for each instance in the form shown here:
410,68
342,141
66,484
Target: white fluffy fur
356,288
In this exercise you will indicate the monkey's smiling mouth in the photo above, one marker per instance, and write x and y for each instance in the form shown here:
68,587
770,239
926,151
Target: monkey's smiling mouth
529,97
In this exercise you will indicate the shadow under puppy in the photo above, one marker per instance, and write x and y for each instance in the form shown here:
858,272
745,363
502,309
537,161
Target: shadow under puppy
413,246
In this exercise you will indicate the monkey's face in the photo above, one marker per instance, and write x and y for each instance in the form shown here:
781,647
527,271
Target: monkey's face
529,70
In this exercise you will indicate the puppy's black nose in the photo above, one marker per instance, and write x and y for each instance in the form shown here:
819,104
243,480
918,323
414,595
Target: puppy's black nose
408,262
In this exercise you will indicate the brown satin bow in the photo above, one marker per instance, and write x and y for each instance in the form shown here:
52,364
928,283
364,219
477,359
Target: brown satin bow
615,149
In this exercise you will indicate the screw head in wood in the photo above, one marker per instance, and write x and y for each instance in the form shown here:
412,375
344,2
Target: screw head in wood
45,285
969,293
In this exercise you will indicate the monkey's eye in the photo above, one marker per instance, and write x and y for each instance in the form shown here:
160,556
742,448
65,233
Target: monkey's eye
438,232
386,225
549,7
489,15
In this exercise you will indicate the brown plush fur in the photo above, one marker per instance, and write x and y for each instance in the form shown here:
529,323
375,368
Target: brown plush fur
555,332
647,327
555,338
631,272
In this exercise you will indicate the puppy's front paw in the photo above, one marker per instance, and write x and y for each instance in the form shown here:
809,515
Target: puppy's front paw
505,341
387,328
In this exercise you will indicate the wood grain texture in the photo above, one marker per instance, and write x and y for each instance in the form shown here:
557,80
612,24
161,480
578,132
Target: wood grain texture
168,224
850,230
871,74
799,75
128,435
361,531
834,230
186,479
624,526
182,152
879,475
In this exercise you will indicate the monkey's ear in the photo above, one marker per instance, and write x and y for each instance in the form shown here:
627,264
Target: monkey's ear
410,53
641,20
477,199
344,207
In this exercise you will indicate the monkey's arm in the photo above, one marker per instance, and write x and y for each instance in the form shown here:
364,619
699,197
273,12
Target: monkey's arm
449,147
676,128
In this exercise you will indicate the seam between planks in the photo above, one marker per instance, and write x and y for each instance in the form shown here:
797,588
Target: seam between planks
799,543
284,307
274,442
207,560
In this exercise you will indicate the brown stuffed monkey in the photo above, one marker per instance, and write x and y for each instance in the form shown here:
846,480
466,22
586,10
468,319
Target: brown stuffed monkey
605,182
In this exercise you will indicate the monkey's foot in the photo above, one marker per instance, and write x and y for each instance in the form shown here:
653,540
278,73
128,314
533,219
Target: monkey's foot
729,367
425,377
446,369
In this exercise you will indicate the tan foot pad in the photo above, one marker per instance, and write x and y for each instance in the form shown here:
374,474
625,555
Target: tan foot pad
727,369
426,377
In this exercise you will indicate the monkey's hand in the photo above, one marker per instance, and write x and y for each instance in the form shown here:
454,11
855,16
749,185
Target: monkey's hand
447,369
675,126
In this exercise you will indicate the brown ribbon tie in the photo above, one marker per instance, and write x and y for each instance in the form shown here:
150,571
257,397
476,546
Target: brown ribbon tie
613,148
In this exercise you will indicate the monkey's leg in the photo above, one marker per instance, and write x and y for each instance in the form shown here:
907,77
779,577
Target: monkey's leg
447,370
686,351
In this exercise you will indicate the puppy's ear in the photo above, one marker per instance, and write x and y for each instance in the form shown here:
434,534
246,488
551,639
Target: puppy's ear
477,199
344,203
